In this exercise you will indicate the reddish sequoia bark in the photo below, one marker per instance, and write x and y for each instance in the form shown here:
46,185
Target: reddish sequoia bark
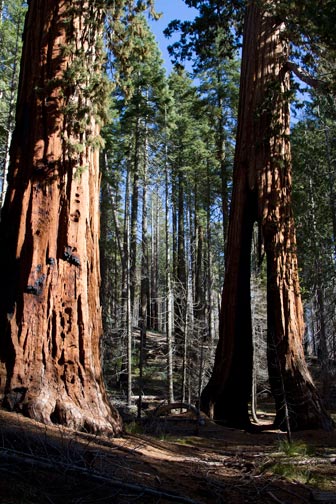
262,193
50,314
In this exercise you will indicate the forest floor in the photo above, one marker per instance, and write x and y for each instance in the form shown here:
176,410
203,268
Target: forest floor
40,464
162,459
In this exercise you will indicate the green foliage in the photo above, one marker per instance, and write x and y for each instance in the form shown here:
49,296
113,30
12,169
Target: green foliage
295,449
85,86
11,27
291,472
210,36
159,126
314,198
134,427
314,186
132,144
193,163
287,462
126,39
308,27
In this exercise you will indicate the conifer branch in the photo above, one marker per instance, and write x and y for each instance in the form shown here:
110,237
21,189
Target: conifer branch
305,76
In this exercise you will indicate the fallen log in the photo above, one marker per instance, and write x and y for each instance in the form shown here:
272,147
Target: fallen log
163,409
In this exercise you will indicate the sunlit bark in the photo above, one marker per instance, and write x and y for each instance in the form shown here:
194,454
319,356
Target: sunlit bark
262,193
50,314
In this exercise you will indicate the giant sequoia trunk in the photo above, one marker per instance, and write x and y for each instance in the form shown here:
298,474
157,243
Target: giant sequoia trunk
262,193
50,314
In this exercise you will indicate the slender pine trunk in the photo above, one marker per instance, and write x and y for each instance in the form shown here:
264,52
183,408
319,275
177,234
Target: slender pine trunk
169,293
11,107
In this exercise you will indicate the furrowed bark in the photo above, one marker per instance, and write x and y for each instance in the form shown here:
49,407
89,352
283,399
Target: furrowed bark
50,314
262,193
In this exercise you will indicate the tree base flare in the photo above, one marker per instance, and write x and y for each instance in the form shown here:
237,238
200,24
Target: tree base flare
226,410
92,416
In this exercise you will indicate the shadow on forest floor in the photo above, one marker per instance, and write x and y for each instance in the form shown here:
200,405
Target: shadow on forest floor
40,464
162,459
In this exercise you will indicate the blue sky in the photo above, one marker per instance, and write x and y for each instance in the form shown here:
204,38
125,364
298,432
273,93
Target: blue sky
171,9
